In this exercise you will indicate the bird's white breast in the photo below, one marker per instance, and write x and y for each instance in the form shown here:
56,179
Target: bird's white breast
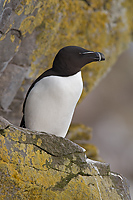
51,103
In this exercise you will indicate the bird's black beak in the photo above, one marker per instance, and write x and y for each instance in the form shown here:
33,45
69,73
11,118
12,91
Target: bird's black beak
99,56
94,56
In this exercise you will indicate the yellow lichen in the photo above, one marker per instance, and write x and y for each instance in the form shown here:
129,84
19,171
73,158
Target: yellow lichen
2,37
39,142
17,48
34,136
4,153
23,147
75,169
23,137
27,25
12,38
66,162
27,175
79,132
91,27
6,1
19,10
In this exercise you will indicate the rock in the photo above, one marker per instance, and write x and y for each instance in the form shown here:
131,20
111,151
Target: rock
10,82
81,135
5,20
9,45
32,32
36,165
78,132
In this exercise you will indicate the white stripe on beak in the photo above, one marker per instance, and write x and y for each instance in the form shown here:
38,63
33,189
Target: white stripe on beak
86,52
99,56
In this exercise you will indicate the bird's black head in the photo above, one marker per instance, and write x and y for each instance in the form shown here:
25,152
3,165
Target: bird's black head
69,60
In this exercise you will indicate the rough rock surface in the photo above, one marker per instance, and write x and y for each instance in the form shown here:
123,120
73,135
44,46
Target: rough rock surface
32,32
80,134
10,82
42,166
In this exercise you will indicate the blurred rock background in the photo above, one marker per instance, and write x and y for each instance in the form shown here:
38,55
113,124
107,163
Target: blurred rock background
108,110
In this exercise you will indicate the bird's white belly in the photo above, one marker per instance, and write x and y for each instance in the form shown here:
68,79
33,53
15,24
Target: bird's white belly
51,103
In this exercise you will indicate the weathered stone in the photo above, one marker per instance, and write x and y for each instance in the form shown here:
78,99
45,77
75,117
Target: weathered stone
5,20
121,184
29,169
10,82
22,58
81,135
56,146
9,45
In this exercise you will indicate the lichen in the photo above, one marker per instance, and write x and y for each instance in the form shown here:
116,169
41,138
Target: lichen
32,168
30,172
75,23
82,135
95,25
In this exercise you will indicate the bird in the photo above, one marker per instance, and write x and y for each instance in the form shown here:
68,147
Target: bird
51,99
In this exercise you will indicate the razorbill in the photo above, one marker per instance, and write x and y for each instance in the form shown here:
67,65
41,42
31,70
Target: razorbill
51,99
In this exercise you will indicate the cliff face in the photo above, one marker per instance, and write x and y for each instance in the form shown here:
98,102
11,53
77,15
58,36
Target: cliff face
32,32
43,166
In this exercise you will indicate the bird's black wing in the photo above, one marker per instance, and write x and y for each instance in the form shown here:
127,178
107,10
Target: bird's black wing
46,73
22,124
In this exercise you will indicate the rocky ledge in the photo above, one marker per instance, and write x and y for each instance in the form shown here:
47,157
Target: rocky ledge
37,165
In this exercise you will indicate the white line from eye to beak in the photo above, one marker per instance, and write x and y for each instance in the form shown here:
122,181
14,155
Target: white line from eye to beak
93,52
86,52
